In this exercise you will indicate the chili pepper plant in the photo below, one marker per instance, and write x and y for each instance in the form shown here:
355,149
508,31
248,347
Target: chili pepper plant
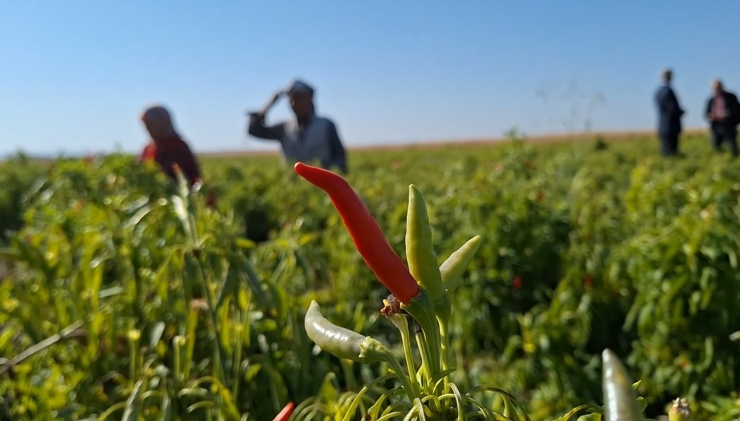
422,292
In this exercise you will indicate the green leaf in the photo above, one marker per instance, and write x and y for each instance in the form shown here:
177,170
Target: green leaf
156,334
134,402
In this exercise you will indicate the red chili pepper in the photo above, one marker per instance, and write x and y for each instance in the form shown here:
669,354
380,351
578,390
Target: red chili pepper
588,280
540,195
365,231
517,282
285,413
211,200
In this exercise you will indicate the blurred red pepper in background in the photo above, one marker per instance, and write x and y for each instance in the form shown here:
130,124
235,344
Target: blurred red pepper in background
285,413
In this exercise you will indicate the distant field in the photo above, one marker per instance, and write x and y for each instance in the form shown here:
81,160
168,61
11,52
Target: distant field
613,136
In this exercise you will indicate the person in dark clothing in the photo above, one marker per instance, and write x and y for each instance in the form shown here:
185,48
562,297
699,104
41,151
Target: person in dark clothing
167,148
307,138
669,116
723,113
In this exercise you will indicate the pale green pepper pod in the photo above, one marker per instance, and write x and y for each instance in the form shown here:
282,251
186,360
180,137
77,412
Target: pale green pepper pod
350,345
420,253
453,268
339,341
620,402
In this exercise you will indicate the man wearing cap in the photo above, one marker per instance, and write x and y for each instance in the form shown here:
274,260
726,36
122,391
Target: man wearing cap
669,116
723,113
308,137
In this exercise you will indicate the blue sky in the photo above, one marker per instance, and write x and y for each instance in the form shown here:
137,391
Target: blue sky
74,75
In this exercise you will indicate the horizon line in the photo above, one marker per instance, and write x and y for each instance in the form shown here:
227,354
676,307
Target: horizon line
475,141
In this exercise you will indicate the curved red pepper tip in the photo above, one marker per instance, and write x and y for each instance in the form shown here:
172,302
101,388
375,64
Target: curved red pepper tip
365,232
285,413
305,171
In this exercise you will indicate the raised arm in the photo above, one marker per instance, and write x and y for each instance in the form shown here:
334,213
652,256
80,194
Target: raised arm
257,126
258,129
338,153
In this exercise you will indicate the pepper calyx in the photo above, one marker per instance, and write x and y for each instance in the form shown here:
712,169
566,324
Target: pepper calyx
372,350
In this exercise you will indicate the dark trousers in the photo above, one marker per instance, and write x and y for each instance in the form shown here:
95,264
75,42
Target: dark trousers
669,144
722,135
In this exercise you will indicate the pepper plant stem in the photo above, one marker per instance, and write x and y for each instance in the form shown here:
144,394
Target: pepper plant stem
422,310
421,343
411,389
399,320
445,346
443,310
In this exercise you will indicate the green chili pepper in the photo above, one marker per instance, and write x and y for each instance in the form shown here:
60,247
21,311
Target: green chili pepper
336,340
420,253
453,268
422,262
620,402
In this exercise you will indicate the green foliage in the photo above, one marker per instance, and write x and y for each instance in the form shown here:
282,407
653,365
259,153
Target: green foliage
162,311
572,238
122,294
16,176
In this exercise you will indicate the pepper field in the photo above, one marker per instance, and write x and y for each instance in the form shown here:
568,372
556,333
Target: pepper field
116,302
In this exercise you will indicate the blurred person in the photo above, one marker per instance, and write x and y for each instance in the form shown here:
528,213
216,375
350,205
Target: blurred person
669,115
307,138
166,146
723,113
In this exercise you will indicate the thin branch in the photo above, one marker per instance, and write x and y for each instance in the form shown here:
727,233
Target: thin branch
67,332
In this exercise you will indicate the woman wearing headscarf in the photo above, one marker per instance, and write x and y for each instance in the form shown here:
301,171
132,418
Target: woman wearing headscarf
166,147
